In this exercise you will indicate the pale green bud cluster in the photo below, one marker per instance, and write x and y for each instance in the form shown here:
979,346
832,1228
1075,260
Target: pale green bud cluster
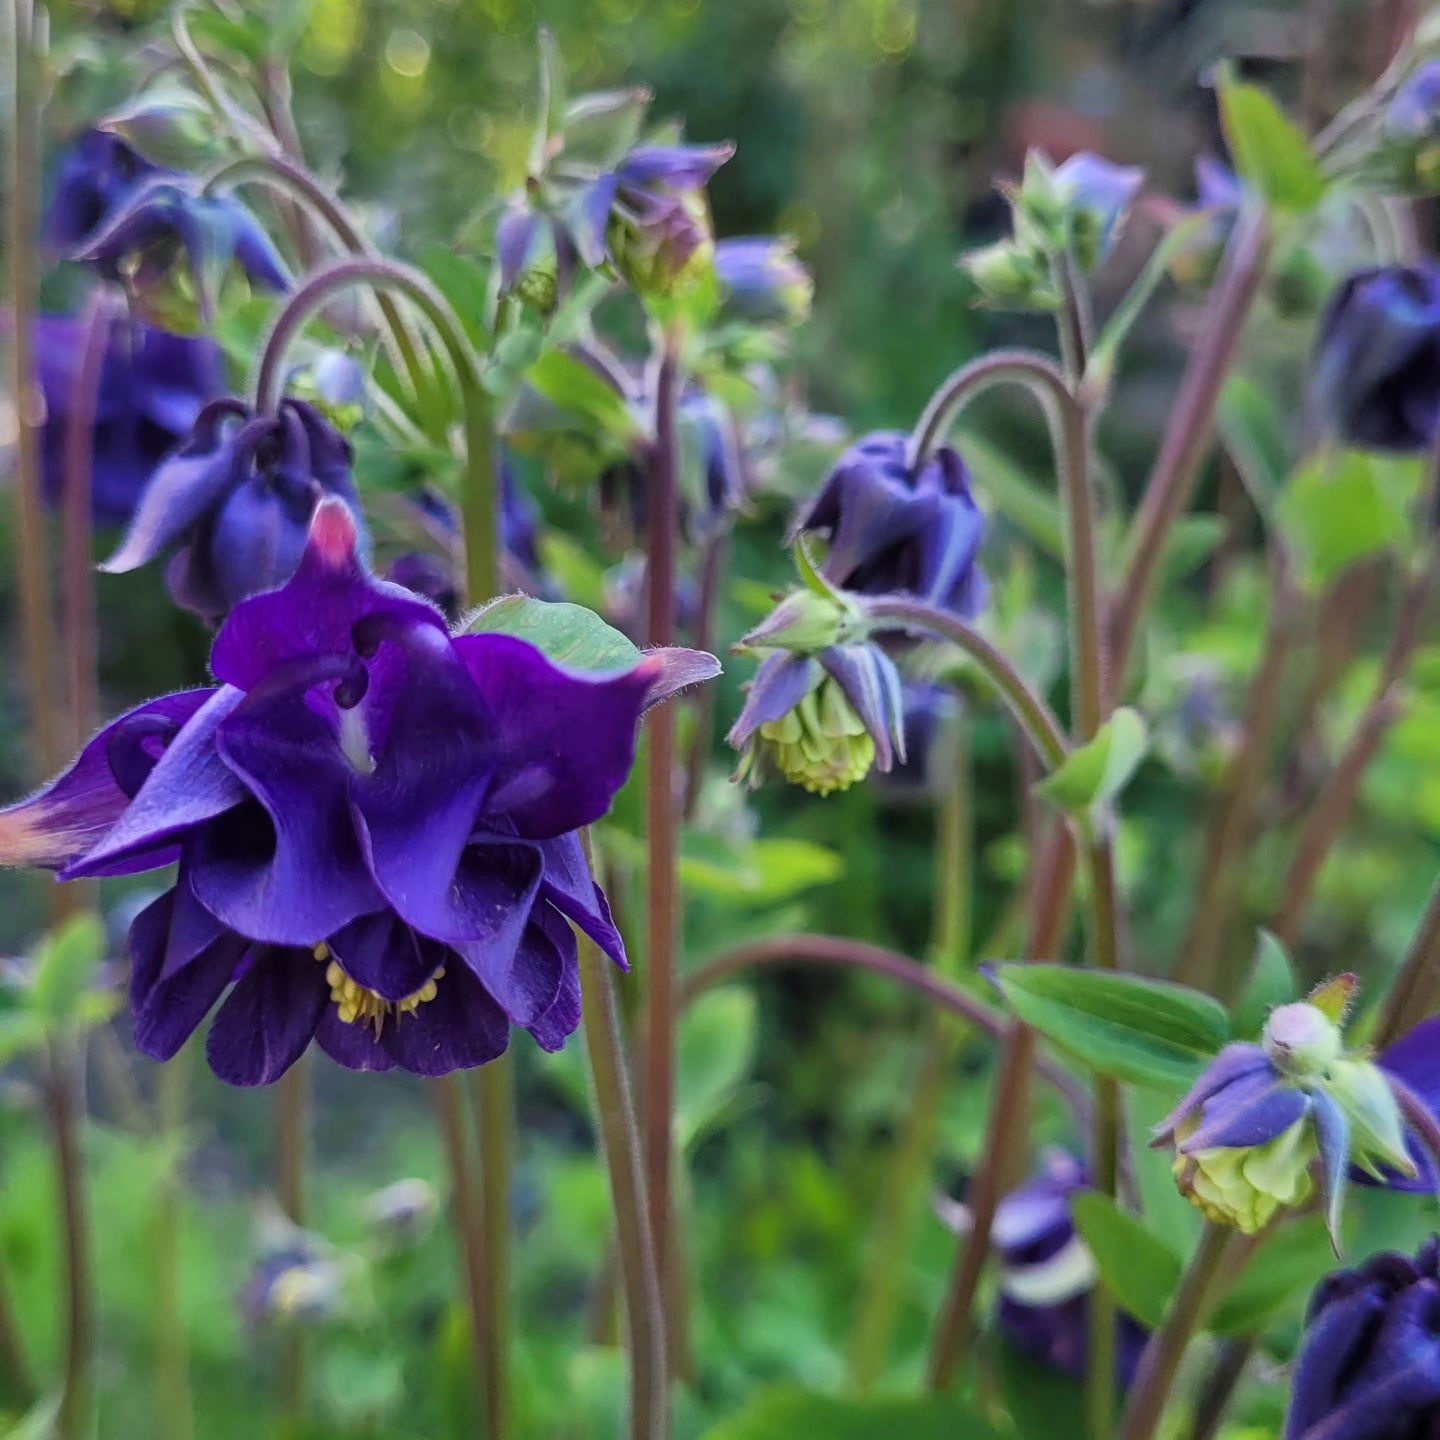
821,744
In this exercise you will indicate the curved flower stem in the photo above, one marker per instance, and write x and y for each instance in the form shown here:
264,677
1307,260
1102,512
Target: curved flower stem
292,1143
65,1097
624,1159
1171,485
285,174
1413,996
858,955
1160,1361
1034,715
77,561
663,900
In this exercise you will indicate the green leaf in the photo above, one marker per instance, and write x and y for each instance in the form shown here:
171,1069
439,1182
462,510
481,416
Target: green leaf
788,1412
1138,1268
1168,1214
763,872
465,284
714,1057
1340,508
1043,1403
20,1032
1285,1270
1145,1032
1271,983
572,385
68,960
1191,541
1094,775
568,634
1270,150
1255,439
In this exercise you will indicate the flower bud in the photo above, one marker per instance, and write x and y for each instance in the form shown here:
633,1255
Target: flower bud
404,1213
334,383
1411,131
1011,277
804,622
663,247
1097,197
1245,1187
763,281
169,127
1302,1040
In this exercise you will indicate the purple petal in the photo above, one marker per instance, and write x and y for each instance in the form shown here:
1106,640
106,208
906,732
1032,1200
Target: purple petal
564,741
498,884
1335,1339
872,686
1332,1134
256,252
592,219
385,955
1234,1062
1415,1058
73,813
1249,1112
356,1047
462,1027
316,612
189,785
515,243
270,1017
780,684
678,167
571,889
679,669
559,1022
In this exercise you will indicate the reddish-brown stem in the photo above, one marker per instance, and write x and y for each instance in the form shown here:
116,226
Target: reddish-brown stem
1417,985
712,569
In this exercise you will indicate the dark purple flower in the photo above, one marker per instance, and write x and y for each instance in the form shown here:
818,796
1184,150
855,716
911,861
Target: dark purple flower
152,387
1370,1362
375,825
95,176
762,279
1375,373
234,503
1047,1275
893,532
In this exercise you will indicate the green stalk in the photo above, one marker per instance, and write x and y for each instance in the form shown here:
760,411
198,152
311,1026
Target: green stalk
172,1378
65,1096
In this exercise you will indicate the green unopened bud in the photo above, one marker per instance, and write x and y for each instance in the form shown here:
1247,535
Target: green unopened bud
1011,277
1302,1040
539,285
170,127
805,622
821,744
667,253
1246,1188
1041,207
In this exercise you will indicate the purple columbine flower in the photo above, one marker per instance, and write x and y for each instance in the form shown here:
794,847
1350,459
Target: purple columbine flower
1264,1120
1370,1361
375,824
1097,195
1048,1274
172,245
152,387
95,176
1414,111
1375,373
234,503
892,532
762,280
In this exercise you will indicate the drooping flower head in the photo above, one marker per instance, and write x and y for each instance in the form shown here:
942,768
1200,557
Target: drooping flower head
94,177
1048,1273
375,826
1265,1121
1370,1362
762,280
152,387
894,532
234,503
1375,373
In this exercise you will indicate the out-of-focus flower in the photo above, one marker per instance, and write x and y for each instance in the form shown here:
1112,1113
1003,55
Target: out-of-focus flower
1248,1135
334,383
1048,1274
894,532
152,387
712,472
1370,1361
1411,129
624,598
932,714
1219,196
375,824
762,280
1096,196
1375,373
1011,276
170,126
172,245
821,720
234,503
402,1214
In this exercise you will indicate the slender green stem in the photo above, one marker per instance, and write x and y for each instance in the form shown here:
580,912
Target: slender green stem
1030,710
65,1097
1160,1362
493,1092
292,1145
172,1377
624,1159
1219,1387
662,894
17,1383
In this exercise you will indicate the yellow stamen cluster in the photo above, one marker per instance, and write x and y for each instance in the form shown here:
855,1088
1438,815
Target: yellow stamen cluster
1247,1187
357,1005
822,743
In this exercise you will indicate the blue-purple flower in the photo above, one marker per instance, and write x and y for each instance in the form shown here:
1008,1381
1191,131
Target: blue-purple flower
375,824
1410,128
895,532
1265,1120
152,387
93,178
1375,373
1097,196
1370,1363
1048,1273
234,503
762,280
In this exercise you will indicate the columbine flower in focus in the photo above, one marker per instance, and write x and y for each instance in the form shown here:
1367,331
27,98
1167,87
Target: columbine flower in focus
1048,1274
235,502
1369,1365
152,387
894,532
762,280
375,825
1375,373
173,246
1264,1120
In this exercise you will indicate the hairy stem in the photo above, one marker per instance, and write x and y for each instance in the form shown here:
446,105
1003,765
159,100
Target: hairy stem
172,1371
1219,1388
493,1091
624,1159
1160,1362
663,914
712,570
65,1096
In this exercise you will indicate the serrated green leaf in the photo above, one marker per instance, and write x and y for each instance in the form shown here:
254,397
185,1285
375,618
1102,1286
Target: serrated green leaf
1095,774
1145,1032
1271,983
568,634
1270,150
68,960
784,1413
1138,1268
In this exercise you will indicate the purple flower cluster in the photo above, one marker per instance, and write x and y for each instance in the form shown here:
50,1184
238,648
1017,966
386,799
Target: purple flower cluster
375,826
